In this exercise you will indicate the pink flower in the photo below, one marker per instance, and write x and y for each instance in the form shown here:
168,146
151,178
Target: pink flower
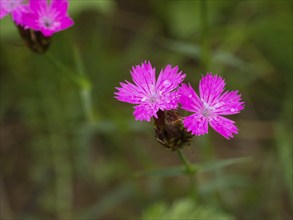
148,94
47,17
209,106
13,7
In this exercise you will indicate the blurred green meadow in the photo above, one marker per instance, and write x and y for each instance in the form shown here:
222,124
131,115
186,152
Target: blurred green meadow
69,150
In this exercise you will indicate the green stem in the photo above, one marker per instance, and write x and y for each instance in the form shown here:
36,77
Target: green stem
68,73
188,165
85,91
204,34
81,81
190,171
87,105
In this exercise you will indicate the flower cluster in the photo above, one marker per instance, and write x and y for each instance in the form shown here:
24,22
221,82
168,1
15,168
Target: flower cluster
45,16
151,96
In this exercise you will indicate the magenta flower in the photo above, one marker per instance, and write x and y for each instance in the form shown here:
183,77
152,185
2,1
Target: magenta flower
151,95
209,106
46,17
14,7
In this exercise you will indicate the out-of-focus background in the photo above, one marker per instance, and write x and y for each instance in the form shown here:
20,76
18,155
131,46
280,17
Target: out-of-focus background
69,150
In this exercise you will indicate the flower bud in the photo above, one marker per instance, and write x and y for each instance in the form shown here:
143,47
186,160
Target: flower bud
169,130
35,40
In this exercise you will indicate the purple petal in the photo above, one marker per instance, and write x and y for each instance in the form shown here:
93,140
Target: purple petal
19,13
168,101
3,12
36,5
224,126
196,124
210,88
189,99
144,76
169,79
144,112
66,22
9,6
128,93
229,103
47,32
30,20
60,6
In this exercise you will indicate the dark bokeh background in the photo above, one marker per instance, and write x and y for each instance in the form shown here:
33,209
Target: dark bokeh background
69,150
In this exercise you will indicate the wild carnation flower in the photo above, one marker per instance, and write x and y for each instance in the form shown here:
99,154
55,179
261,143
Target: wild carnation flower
47,17
148,94
209,106
14,7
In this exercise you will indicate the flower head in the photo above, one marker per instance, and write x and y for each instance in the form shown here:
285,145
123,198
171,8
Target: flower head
209,106
13,7
47,17
148,94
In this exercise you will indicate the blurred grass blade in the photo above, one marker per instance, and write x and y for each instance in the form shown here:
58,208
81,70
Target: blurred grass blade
105,7
86,89
187,49
67,72
284,137
218,56
220,164
170,171
181,170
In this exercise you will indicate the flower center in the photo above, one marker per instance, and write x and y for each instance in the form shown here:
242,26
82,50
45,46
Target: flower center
206,110
11,5
49,23
151,99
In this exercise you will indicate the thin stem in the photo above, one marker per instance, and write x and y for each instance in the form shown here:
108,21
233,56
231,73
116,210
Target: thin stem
188,165
204,34
68,73
190,171
85,91
81,81
87,105
193,186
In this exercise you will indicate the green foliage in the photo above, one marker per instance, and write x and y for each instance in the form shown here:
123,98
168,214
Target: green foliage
184,209
104,6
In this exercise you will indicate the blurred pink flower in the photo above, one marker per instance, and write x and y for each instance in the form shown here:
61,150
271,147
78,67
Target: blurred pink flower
14,7
151,95
47,17
209,106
